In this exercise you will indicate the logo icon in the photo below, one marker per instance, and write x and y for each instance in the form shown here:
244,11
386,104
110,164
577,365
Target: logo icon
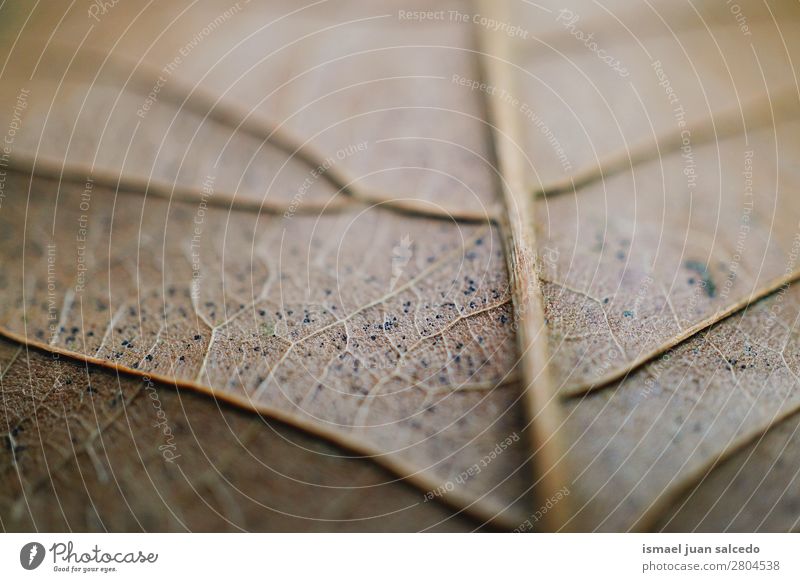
31,555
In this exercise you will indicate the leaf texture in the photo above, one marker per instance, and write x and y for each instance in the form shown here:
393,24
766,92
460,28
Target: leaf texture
568,261
284,314
86,449
677,189
754,491
638,444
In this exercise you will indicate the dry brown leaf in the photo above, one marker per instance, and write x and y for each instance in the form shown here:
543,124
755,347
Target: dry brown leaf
677,210
87,450
637,445
754,491
696,213
417,369
634,207
389,333
298,77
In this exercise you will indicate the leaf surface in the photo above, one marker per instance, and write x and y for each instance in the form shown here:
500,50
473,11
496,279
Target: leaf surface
88,450
754,491
386,331
670,189
638,444
433,242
